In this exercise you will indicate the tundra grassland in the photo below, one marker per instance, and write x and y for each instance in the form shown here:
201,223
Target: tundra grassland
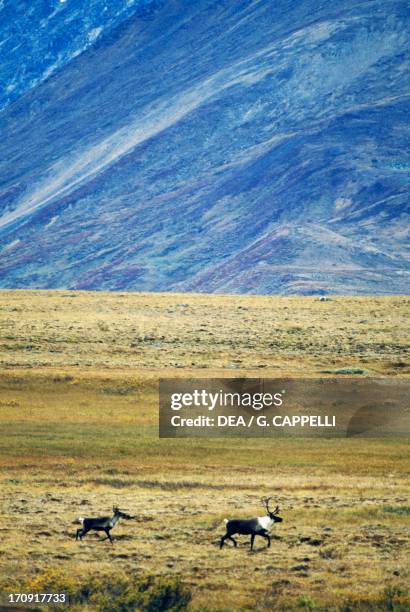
79,434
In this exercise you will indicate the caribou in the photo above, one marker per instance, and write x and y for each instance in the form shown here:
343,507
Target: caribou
255,526
104,523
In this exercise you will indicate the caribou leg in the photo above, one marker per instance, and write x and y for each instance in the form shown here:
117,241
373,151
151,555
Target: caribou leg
107,531
233,540
252,540
227,536
267,537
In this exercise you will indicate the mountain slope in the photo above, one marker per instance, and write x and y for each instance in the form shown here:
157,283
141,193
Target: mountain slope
216,146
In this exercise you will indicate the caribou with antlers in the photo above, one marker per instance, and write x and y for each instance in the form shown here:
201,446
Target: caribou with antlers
256,526
104,523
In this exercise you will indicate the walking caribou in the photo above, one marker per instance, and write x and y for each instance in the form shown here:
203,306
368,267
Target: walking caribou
104,523
256,526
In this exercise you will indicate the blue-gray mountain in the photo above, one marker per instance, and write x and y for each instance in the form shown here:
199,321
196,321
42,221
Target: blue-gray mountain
254,146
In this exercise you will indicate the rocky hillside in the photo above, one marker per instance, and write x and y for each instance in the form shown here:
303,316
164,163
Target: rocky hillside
241,147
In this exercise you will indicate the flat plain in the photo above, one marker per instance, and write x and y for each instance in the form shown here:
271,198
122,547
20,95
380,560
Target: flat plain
79,434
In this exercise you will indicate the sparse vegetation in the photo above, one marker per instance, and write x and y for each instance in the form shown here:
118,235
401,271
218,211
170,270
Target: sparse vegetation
401,510
201,333
108,592
79,435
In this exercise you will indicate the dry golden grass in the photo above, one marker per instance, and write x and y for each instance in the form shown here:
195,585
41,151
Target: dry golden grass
268,335
78,414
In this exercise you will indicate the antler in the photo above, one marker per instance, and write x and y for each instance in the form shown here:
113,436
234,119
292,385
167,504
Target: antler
265,502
